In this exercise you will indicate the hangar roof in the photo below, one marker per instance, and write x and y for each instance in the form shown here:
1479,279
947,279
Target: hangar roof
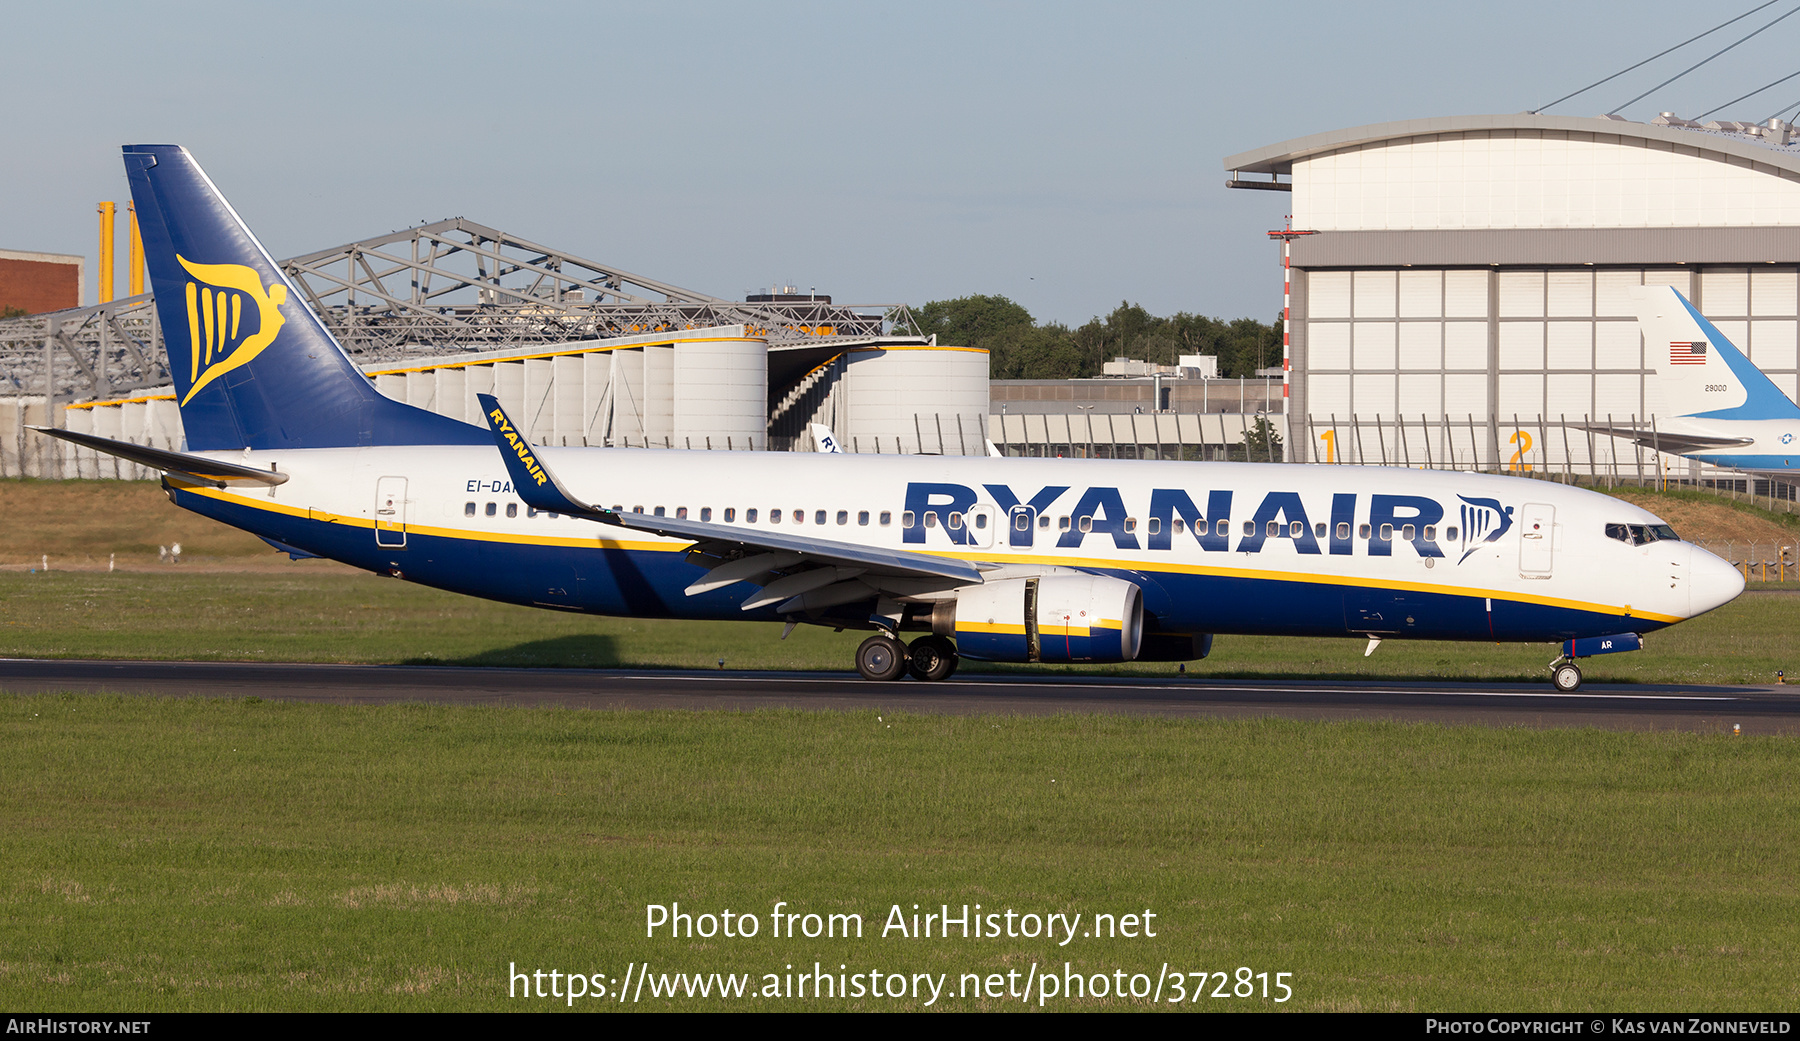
1724,141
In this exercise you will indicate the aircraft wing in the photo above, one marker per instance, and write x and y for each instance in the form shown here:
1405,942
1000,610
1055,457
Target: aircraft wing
1662,440
799,572
207,471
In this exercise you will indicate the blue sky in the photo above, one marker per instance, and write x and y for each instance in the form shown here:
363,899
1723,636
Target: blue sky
1065,155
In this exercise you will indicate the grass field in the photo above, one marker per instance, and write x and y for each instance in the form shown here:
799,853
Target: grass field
184,854
172,854
344,616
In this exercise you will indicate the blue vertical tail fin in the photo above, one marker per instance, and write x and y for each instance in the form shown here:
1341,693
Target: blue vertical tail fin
252,365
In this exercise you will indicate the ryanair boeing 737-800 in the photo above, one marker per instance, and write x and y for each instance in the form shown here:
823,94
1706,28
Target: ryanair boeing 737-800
1010,560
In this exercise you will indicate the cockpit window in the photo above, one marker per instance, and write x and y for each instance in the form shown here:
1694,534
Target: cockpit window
1641,534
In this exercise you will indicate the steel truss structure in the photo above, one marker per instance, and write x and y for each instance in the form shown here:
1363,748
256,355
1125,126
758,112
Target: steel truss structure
426,291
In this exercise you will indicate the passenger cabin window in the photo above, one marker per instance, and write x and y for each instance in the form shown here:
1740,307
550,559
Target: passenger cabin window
1362,532
931,518
730,514
1022,522
1154,525
492,509
705,513
1131,524
750,516
1406,532
1319,530
1044,521
799,516
1430,533
1343,530
1450,533
1249,527
819,517
1296,529
906,519
862,518
774,516
887,518
512,509
468,509
1387,533
1086,524
1272,529
1062,524
1224,527
981,521
1174,525
659,511
844,517
954,521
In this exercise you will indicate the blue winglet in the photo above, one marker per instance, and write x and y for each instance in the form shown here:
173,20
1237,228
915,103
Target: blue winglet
531,480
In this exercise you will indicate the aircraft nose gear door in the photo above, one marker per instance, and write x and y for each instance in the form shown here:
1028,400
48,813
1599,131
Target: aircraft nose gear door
1537,540
390,512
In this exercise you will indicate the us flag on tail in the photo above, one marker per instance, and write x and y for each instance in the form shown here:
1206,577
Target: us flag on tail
1688,353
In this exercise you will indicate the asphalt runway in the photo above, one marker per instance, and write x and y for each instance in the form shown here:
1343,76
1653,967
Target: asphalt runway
1757,710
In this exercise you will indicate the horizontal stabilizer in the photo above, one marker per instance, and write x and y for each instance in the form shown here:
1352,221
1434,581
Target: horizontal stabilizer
1663,441
200,468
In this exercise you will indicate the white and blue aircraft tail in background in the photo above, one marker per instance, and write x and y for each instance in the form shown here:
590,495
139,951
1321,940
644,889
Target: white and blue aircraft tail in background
996,559
1722,409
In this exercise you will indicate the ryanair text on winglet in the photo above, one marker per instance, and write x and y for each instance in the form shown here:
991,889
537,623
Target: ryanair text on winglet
505,429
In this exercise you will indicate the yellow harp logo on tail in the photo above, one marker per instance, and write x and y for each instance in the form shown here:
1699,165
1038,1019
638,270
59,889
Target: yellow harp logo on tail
216,301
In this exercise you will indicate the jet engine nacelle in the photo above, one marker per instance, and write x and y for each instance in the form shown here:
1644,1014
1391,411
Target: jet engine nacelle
1055,618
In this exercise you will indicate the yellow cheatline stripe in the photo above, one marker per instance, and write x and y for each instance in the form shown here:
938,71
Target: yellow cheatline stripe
1073,562
1315,579
652,341
463,534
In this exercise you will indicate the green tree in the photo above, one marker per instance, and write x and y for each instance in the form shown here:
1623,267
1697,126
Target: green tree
1020,348
1262,442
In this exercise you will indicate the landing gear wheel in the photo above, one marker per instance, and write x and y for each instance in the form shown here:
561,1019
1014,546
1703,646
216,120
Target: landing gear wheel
932,658
1566,677
881,658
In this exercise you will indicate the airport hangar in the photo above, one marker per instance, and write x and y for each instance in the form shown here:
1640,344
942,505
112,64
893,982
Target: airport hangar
1455,286
579,352
583,353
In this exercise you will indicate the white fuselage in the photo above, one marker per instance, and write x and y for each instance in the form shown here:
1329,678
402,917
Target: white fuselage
1217,547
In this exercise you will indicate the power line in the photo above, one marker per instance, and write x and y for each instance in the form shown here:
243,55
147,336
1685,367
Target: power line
1697,64
1752,94
1653,57
1784,108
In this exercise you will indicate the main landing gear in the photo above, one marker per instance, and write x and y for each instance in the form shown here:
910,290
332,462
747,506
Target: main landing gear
882,657
1565,676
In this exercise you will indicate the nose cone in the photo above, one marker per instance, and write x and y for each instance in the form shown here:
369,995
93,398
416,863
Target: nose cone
1711,583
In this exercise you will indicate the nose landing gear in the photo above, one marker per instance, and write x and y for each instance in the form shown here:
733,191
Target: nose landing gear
1565,675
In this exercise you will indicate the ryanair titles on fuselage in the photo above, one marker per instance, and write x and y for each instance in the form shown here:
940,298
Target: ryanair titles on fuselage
1207,518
